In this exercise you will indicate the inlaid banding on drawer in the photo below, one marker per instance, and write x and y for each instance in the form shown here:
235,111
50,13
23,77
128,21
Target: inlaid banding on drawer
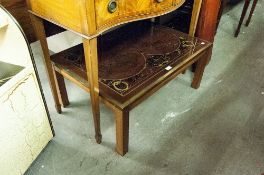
132,10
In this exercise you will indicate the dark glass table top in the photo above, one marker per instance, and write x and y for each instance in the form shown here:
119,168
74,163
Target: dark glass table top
133,57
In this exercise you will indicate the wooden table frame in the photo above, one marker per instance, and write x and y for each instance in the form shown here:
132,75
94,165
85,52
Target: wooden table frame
121,111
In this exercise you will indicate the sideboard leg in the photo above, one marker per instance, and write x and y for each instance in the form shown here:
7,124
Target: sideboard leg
199,69
91,61
61,88
122,131
40,32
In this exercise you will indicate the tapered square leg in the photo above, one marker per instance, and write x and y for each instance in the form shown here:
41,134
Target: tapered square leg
40,32
91,62
61,89
122,131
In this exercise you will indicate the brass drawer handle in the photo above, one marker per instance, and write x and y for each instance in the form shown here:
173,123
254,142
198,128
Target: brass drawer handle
112,6
159,1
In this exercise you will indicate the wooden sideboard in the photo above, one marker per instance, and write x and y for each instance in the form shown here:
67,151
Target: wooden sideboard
151,55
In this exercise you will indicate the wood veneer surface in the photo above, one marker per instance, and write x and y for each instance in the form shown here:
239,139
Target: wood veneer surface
92,17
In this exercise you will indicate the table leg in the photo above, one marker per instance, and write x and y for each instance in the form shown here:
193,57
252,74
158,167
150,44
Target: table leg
245,8
122,131
40,32
61,88
199,69
91,61
251,11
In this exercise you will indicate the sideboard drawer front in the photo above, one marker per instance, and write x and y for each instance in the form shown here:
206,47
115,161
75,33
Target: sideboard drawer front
127,10
131,10
71,14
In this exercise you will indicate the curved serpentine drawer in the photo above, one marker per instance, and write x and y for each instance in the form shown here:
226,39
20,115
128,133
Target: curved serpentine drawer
130,10
99,15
